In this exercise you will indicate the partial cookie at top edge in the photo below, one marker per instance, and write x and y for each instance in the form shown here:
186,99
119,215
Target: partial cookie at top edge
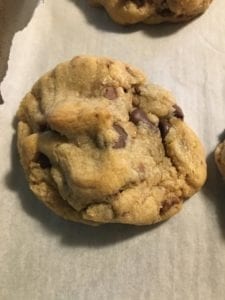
152,12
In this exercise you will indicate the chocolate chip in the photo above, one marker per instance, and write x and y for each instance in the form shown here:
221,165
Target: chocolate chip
43,161
164,127
138,115
165,12
178,113
110,93
121,143
166,205
43,127
139,3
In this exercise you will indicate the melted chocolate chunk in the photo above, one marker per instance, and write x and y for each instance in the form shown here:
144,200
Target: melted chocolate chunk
165,12
121,143
43,161
139,3
43,127
110,93
164,127
166,205
178,113
138,115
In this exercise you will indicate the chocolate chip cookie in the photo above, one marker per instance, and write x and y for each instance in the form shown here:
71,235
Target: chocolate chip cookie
99,144
152,11
220,158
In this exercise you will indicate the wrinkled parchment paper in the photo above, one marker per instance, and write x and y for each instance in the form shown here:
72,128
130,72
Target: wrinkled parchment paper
45,257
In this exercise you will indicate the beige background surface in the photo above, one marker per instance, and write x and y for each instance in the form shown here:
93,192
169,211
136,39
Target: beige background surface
44,257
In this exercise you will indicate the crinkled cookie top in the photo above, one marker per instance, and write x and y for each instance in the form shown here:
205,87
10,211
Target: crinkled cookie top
99,144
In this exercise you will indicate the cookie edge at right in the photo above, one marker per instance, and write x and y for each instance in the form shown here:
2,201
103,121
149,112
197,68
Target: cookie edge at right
219,156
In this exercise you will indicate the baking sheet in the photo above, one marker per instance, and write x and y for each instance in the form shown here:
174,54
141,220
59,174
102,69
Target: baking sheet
45,257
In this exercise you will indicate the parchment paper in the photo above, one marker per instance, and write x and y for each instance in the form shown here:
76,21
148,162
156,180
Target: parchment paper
45,257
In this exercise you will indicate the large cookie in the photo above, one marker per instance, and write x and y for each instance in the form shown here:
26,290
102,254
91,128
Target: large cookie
220,158
99,144
152,11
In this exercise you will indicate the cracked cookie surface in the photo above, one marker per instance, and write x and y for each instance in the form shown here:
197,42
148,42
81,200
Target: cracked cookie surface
152,11
99,144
